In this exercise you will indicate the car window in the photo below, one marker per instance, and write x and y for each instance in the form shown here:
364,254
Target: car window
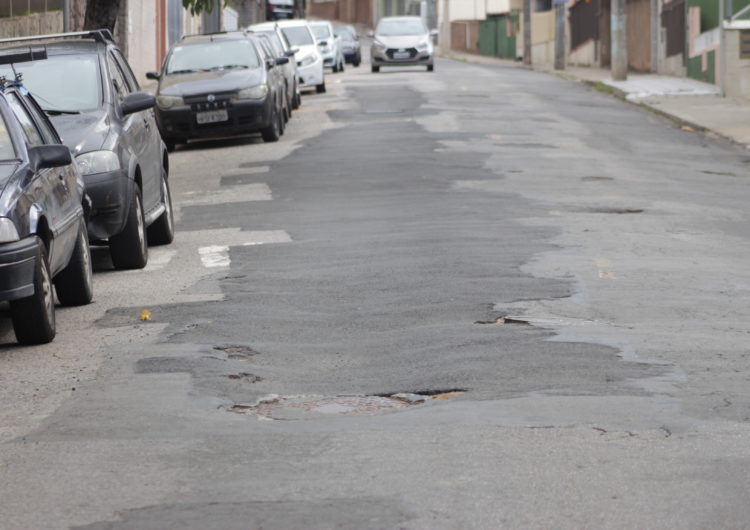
125,67
33,137
266,47
7,152
298,35
275,41
321,31
400,28
212,55
81,91
45,127
118,78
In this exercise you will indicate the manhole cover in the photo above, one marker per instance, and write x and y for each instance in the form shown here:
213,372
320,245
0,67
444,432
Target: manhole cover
310,407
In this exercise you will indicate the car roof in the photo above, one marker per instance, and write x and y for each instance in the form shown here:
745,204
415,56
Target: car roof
210,37
319,22
68,46
292,22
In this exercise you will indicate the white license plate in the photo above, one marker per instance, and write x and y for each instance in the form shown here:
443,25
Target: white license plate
212,116
402,55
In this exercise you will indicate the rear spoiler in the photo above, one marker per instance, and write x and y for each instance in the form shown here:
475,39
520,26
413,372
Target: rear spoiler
99,35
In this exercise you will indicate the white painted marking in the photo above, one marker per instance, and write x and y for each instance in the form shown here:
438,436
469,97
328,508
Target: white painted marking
158,259
215,256
244,193
262,237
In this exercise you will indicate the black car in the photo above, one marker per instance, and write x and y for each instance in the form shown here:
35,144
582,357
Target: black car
350,44
94,101
43,237
217,85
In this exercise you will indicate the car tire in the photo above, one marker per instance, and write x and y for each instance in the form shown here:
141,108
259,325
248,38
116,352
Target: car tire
375,69
321,88
430,67
129,248
161,231
34,316
296,100
171,145
272,132
75,283
282,122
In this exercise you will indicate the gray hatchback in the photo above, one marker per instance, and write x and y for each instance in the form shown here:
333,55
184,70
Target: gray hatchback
402,41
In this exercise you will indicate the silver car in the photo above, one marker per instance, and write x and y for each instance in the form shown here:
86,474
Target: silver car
402,41
329,44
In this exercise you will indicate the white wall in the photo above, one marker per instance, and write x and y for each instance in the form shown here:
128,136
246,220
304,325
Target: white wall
142,37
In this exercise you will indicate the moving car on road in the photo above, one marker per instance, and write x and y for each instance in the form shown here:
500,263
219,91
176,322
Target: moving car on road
402,41
308,57
328,44
214,86
350,46
43,236
92,97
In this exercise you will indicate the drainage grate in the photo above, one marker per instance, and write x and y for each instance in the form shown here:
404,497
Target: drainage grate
311,407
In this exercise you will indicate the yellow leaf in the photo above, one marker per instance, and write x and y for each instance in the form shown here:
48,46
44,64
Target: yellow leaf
145,314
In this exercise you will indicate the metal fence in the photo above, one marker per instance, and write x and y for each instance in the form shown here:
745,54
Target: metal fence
15,8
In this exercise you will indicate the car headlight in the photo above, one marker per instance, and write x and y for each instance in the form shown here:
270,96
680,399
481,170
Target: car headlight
378,44
167,102
423,45
253,92
98,162
306,60
8,231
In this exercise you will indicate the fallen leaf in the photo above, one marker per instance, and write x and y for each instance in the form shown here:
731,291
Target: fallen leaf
145,314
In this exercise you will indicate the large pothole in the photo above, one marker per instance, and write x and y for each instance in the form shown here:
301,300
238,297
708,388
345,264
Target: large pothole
311,407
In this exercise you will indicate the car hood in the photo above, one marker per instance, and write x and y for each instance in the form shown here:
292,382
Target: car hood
401,42
206,82
83,132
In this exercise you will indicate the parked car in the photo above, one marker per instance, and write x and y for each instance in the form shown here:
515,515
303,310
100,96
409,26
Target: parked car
328,44
401,41
349,44
282,48
92,97
275,75
43,236
309,60
216,86
279,9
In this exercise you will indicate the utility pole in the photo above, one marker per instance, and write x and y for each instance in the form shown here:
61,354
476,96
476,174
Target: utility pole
66,16
619,41
559,34
446,37
527,32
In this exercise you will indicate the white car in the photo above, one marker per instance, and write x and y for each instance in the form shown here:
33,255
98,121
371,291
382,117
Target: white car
329,45
309,60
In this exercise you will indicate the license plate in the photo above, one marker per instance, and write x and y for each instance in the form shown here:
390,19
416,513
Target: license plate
212,116
402,55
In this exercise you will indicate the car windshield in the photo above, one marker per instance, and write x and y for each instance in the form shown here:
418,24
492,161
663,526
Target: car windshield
7,152
400,28
63,83
321,31
298,35
212,55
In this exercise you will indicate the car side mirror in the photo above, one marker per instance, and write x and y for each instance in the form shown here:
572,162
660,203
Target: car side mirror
293,50
136,102
50,155
153,75
270,63
433,33
290,53
323,43
282,60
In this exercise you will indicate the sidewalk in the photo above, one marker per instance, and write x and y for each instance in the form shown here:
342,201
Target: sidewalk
688,102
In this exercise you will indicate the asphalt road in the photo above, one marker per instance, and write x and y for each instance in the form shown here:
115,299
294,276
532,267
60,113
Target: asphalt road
479,298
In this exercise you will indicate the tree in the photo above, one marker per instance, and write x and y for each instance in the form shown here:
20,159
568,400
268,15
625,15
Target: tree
196,7
101,14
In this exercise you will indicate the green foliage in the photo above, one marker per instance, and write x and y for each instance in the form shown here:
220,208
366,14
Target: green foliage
196,7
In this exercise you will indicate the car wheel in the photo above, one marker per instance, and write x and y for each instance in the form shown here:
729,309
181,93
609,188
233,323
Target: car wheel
272,132
129,249
375,69
171,145
34,317
321,88
296,100
282,122
161,232
75,283
342,65
430,67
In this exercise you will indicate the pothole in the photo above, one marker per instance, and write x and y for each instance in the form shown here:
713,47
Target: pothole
596,179
503,320
236,352
310,407
247,377
617,211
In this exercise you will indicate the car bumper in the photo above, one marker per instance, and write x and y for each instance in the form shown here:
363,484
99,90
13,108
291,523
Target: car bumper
110,196
311,75
387,57
243,117
17,262
350,55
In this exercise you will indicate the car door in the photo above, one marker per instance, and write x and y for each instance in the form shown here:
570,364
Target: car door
51,189
135,134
